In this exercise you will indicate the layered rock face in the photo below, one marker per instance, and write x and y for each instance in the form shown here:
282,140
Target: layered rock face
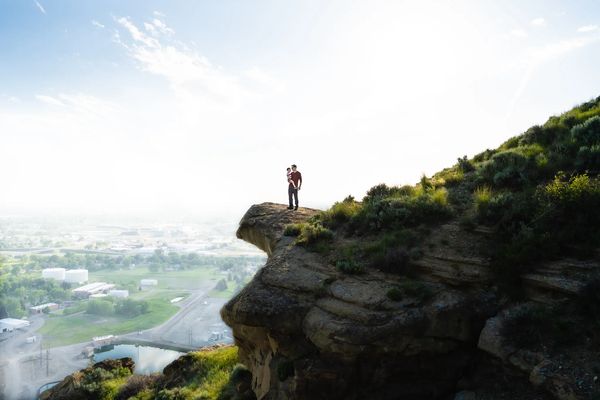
308,331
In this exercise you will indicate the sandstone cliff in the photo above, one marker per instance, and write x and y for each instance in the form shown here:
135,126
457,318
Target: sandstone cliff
308,331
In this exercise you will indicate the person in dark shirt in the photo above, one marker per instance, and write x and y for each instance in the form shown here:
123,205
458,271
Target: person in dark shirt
294,186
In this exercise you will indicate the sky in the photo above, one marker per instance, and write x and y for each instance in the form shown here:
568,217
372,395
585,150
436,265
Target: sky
196,108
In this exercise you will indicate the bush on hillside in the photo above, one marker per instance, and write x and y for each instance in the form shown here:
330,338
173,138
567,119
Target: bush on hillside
312,233
405,208
349,266
340,213
292,229
507,169
465,165
587,133
410,289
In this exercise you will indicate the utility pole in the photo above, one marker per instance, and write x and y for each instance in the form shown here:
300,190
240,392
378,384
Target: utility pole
47,363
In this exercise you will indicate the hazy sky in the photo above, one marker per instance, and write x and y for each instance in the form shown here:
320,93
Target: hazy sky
197,107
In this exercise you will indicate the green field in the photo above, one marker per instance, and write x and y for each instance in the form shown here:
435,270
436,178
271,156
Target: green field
73,325
81,327
185,279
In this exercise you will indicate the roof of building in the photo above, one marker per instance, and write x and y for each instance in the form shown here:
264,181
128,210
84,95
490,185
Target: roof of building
94,287
14,323
42,306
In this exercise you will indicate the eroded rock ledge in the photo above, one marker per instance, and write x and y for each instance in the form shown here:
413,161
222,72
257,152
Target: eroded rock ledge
308,331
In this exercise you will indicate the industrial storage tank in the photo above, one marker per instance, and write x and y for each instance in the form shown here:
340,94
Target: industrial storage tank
57,274
76,275
121,293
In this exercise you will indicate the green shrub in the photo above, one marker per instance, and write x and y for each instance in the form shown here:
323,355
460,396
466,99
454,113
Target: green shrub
509,168
394,294
176,393
312,233
100,307
588,159
383,191
410,289
587,133
340,213
292,229
484,156
349,266
464,165
401,211
450,177
136,384
482,197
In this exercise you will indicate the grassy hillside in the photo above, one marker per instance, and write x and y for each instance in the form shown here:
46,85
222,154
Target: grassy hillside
209,374
539,193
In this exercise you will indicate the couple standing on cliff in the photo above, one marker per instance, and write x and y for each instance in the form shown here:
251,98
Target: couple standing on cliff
294,179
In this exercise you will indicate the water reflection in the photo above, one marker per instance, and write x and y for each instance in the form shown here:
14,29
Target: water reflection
147,359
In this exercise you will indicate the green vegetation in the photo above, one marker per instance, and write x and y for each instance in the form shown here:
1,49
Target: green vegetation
309,234
99,383
17,292
122,307
409,289
64,330
21,285
212,374
349,266
539,193
208,375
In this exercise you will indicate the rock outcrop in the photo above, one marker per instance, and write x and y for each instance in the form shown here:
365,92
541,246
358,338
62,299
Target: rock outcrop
72,388
308,331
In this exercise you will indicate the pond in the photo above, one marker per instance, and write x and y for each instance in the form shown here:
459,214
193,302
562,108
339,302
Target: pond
147,359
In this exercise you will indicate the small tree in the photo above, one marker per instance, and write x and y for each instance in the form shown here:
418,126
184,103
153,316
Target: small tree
221,285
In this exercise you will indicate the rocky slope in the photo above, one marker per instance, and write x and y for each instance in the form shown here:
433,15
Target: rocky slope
308,331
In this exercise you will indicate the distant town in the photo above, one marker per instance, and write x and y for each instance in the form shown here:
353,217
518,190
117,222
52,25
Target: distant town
71,290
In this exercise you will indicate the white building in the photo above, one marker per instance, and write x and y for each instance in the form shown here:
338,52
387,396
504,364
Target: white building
10,324
40,308
76,275
120,293
57,274
148,283
86,291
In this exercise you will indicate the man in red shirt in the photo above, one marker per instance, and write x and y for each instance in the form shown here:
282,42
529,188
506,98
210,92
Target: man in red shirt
294,186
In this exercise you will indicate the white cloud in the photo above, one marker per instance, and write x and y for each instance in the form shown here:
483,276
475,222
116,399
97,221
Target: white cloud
40,7
188,73
49,100
538,22
136,34
78,103
587,28
159,14
97,24
162,27
519,33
